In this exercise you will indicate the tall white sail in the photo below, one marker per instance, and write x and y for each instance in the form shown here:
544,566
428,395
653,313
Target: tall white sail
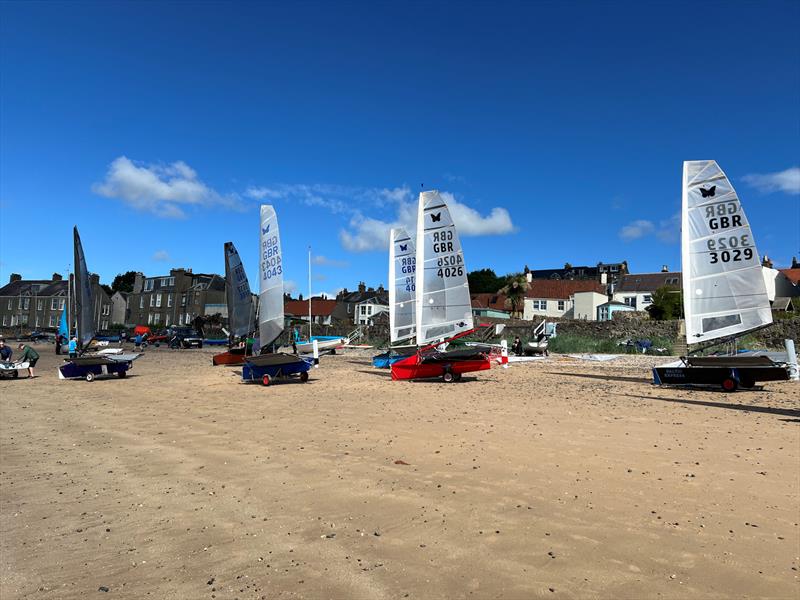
402,286
443,305
241,309
723,288
270,298
83,294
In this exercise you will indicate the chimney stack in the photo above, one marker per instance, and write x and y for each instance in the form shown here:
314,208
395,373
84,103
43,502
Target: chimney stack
15,277
664,269
766,262
57,277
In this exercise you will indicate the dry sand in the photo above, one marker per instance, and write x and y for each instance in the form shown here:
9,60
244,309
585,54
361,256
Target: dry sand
557,479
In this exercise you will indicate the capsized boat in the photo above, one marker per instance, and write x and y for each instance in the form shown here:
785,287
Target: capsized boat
241,310
90,365
724,294
443,310
269,365
402,292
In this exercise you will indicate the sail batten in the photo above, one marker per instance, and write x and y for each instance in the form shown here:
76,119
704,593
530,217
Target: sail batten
239,298
402,286
443,306
270,297
724,293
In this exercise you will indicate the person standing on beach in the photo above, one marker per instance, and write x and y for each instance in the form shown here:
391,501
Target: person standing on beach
5,351
31,356
73,347
137,342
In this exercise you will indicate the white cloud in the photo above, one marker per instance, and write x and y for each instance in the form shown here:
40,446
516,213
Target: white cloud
289,286
162,256
319,259
160,189
787,181
367,233
669,230
636,230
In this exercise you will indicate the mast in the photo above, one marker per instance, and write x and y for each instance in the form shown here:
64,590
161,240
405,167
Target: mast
309,293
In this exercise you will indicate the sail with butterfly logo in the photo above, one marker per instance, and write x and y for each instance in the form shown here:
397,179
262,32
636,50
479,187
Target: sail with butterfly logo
402,286
443,306
270,298
724,293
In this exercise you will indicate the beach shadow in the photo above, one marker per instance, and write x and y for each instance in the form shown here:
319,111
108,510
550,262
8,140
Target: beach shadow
379,372
605,377
786,412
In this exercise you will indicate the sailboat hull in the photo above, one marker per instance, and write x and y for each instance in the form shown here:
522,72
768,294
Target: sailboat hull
440,364
274,365
91,367
234,356
728,372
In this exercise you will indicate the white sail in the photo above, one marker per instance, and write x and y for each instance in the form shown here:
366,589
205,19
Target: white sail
402,286
442,303
270,298
723,287
241,309
83,294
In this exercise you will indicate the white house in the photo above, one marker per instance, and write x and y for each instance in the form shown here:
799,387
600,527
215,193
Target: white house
555,298
636,290
585,305
369,308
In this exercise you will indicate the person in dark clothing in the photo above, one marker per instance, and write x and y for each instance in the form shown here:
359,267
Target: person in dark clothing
516,347
30,356
5,351
59,342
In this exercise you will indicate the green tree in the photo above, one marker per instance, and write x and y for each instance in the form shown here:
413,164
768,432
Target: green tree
484,281
667,303
514,291
123,282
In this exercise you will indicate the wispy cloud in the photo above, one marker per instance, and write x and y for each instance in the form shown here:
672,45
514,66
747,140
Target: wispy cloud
666,230
163,190
161,256
319,259
787,181
636,229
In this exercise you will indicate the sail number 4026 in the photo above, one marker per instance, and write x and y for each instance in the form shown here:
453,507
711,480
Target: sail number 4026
450,272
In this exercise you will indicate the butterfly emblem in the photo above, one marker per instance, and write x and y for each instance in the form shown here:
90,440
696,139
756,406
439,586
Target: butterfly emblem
403,247
710,192
265,231
436,217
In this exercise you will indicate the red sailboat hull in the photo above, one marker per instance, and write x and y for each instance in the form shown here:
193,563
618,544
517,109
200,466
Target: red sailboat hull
234,356
414,367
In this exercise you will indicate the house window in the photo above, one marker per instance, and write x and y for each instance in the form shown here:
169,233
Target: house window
10,304
180,319
167,281
150,319
158,300
25,319
40,304
106,310
630,301
53,304
5,320
672,281
104,324
562,304
647,298
166,320
156,319
148,285
540,305
152,300
52,321
24,303
169,300
363,310
349,306
614,268
183,299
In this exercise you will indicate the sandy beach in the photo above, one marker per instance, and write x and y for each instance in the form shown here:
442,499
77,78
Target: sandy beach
555,479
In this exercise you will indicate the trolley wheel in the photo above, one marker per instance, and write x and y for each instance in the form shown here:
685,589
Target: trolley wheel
448,377
266,380
747,382
456,376
333,351
729,384
304,376
90,376
122,374
14,374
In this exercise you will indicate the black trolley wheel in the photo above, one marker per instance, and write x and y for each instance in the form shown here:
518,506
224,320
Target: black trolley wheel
304,376
122,374
90,377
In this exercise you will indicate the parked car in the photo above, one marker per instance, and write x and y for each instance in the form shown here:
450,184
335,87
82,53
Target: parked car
185,337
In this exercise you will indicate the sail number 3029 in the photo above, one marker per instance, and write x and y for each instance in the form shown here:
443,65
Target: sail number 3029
729,249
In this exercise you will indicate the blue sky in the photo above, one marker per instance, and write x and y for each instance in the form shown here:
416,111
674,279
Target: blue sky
558,129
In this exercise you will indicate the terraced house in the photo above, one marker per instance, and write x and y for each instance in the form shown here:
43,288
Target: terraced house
175,299
36,304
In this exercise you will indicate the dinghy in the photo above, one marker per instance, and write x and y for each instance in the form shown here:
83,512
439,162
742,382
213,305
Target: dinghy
241,311
443,311
90,365
269,366
402,292
724,294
